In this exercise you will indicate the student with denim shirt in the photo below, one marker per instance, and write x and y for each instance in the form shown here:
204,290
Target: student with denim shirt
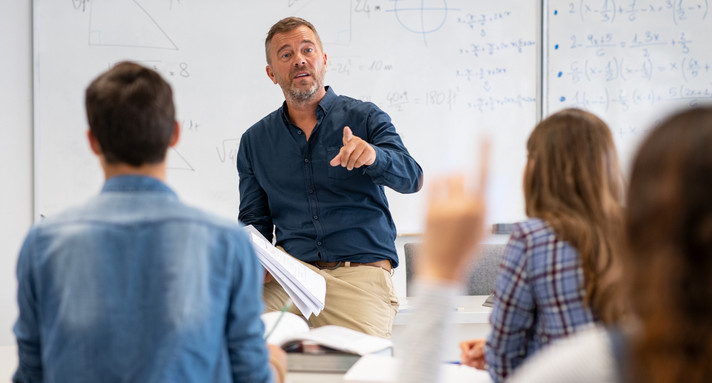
134,285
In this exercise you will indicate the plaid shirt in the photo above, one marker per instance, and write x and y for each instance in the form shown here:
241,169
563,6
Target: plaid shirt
539,296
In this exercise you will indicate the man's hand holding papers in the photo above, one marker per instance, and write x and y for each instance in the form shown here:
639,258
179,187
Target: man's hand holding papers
306,287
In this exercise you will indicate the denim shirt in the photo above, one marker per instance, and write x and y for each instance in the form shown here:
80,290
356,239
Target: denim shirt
321,212
135,286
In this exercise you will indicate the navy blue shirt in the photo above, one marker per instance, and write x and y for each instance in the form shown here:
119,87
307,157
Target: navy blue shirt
320,212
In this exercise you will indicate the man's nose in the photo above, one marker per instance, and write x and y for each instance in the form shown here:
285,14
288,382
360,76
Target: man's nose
299,60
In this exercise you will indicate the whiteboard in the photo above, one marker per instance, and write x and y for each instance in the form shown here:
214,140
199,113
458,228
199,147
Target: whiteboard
632,62
447,72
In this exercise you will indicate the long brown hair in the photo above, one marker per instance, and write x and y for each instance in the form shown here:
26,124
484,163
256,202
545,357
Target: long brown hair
668,262
574,183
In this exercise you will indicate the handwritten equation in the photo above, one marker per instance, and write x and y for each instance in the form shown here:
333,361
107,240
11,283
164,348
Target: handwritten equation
496,47
611,11
625,100
622,69
601,43
630,60
227,150
397,100
168,69
482,20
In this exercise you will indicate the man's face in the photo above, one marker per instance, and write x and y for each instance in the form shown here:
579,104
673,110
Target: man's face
297,64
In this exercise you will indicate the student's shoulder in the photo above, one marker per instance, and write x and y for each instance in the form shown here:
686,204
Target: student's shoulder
72,214
583,357
532,229
210,220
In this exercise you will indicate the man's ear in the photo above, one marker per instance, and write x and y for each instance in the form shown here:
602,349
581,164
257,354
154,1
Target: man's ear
176,135
94,143
270,74
325,62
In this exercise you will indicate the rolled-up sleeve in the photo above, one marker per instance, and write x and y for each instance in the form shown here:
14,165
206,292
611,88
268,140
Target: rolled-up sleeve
394,166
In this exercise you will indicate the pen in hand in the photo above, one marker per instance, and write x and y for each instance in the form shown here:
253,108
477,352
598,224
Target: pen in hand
286,307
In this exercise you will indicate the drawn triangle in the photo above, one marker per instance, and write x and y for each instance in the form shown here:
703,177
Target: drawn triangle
126,23
176,161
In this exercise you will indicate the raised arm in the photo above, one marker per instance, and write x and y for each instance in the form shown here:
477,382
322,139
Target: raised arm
454,226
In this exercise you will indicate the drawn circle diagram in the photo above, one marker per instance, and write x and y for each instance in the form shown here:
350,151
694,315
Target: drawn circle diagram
426,17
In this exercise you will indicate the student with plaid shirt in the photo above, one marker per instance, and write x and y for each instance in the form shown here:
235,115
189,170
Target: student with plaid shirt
551,276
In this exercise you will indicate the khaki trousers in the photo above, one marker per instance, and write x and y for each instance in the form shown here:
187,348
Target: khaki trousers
361,298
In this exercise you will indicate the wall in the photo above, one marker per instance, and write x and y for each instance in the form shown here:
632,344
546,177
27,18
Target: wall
16,155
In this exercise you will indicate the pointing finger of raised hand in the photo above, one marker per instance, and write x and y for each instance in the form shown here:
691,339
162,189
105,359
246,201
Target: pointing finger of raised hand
347,135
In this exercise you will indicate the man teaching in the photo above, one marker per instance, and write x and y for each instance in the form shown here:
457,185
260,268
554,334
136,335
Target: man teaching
314,170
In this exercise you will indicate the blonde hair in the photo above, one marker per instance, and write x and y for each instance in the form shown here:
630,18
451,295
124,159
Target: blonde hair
573,182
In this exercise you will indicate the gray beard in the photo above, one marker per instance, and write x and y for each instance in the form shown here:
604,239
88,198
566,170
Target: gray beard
302,96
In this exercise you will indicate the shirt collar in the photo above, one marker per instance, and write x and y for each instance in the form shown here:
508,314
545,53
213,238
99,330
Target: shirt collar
326,102
136,183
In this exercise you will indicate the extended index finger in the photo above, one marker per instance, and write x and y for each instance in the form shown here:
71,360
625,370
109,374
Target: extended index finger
347,134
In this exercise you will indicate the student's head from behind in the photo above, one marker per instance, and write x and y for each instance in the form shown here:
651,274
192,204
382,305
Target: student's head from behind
131,115
573,182
572,166
668,263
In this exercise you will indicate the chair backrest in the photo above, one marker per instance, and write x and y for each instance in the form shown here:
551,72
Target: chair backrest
482,273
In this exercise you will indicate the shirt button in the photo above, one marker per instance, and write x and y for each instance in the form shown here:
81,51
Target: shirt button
306,160
316,217
311,191
299,132
318,243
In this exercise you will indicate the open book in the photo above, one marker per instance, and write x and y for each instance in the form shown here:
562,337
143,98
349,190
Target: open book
385,369
306,288
323,349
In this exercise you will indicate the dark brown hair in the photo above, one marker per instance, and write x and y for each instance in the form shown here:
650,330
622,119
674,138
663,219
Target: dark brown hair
131,113
668,262
285,25
573,182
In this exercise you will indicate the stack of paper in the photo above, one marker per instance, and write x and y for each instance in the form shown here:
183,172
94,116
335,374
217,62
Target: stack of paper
306,288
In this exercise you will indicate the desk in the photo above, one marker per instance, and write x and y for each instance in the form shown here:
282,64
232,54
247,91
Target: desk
314,377
469,321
